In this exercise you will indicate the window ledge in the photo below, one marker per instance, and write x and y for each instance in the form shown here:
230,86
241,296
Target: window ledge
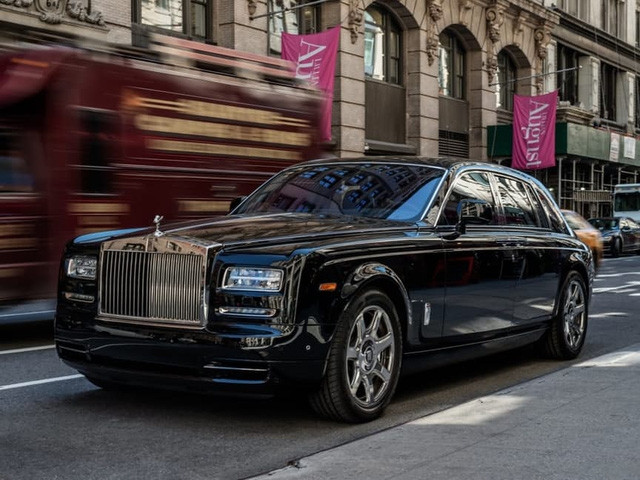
375,147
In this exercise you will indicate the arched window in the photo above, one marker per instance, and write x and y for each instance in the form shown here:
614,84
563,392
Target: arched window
382,47
505,82
451,66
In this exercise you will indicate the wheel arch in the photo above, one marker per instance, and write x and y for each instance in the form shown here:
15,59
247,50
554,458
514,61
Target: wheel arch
376,275
578,266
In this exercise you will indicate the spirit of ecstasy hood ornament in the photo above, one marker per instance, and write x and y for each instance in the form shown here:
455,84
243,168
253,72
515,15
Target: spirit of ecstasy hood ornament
157,220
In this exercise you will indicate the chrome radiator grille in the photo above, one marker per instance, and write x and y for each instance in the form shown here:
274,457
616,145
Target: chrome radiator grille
150,287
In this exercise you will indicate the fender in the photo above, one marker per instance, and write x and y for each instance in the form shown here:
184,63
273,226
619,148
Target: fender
368,272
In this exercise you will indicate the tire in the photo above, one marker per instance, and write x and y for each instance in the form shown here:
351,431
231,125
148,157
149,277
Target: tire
568,330
616,247
363,365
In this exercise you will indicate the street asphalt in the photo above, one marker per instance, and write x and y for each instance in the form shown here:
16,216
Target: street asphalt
582,422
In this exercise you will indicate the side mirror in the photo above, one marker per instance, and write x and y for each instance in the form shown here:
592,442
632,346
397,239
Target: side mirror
235,202
473,211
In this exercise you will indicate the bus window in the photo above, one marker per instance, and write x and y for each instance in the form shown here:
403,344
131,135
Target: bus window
95,151
15,176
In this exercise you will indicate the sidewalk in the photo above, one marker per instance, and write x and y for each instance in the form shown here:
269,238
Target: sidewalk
582,422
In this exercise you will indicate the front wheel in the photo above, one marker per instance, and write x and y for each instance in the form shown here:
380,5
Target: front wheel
616,247
568,330
364,361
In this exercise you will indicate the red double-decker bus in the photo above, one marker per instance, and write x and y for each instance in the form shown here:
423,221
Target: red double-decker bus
101,139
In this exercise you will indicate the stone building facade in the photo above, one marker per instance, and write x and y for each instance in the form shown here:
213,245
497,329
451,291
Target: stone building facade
427,77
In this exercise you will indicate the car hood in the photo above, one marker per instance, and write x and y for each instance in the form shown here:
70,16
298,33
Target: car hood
263,230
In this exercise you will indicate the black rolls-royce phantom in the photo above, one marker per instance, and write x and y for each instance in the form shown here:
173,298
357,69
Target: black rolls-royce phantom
334,277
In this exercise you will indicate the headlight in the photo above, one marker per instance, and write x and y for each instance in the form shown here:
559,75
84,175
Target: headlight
82,267
240,278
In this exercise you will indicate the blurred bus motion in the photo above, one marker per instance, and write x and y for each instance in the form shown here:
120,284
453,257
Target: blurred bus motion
99,139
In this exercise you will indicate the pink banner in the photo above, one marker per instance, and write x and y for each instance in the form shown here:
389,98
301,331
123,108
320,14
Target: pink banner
534,131
315,58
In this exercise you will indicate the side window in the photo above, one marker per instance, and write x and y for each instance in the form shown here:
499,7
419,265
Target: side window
557,222
471,186
95,151
516,204
15,175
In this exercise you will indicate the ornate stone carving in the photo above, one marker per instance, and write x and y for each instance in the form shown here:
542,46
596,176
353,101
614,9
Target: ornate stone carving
18,3
51,11
518,28
355,19
492,66
432,46
434,7
465,8
495,18
251,6
542,39
78,11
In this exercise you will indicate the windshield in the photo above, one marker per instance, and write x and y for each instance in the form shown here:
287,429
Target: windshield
373,190
626,201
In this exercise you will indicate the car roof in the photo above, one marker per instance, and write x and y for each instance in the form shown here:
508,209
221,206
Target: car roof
447,163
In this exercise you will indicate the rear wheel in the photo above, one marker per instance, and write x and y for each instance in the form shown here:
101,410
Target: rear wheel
568,330
364,361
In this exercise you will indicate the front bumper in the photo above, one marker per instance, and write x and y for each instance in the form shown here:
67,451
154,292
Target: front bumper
200,362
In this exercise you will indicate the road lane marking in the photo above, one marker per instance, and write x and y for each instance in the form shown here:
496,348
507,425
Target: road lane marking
40,382
27,349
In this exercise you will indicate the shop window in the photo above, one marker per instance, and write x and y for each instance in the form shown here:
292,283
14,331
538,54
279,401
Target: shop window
567,76
451,66
190,18
291,16
608,79
506,84
382,48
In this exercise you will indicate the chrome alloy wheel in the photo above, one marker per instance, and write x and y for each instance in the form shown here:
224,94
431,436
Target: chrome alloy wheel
574,314
370,356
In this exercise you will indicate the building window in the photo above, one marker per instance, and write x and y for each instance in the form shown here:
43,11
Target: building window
577,8
637,97
612,16
567,76
608,78
506,84
451,66
291,16
191,18
382,47
638,26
